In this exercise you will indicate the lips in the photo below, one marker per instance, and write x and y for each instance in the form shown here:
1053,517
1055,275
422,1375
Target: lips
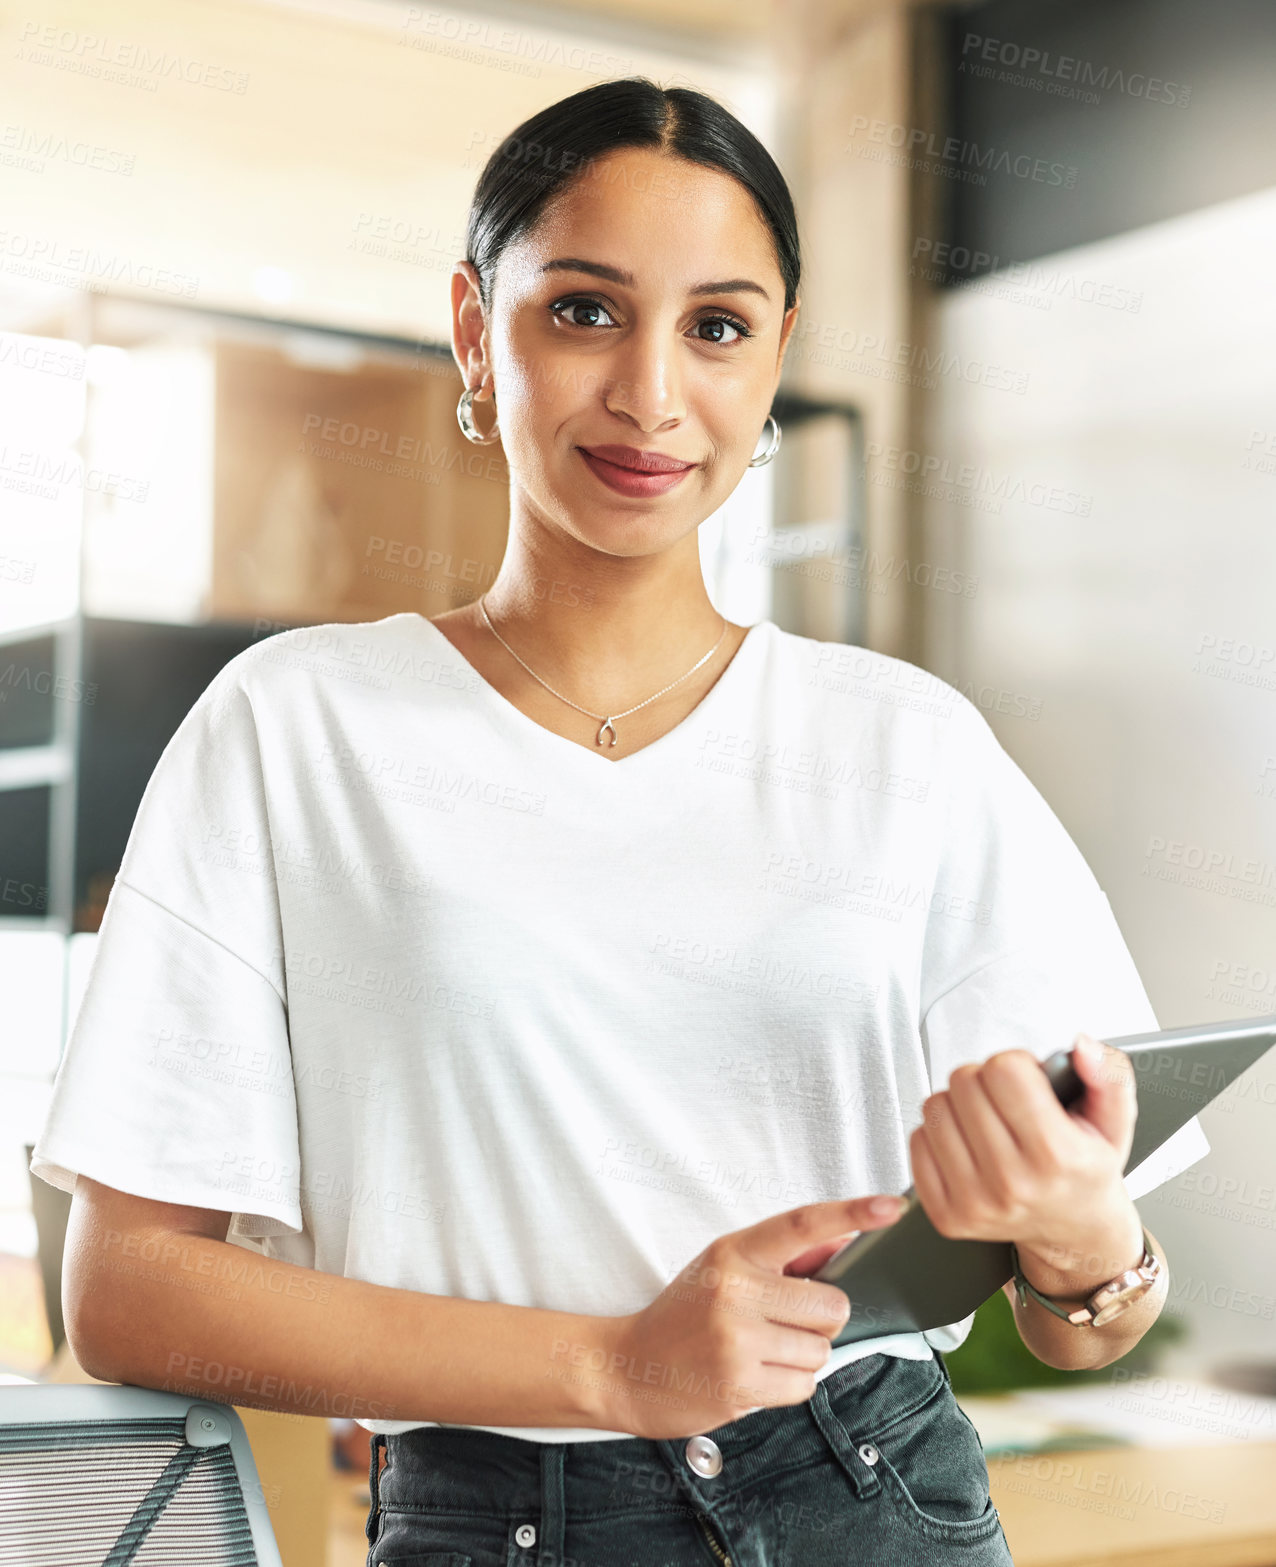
647,483
636,461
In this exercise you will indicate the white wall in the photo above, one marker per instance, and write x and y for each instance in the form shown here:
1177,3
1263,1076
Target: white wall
1138,521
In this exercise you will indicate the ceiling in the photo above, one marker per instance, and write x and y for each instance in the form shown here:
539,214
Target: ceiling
730,24
739,19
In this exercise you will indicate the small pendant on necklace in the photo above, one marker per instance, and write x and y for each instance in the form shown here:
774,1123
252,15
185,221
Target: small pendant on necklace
606,725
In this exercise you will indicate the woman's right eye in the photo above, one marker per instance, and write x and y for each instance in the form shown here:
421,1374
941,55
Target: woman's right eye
562,306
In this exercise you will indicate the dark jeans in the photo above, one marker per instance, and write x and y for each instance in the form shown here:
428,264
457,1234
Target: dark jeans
879,1468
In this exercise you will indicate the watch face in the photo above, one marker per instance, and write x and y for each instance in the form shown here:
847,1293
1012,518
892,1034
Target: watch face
1117,1303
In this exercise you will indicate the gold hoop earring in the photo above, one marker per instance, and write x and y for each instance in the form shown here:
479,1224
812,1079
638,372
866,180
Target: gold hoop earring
465,418
773,447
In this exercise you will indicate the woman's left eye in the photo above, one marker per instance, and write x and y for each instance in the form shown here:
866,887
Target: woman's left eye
738,327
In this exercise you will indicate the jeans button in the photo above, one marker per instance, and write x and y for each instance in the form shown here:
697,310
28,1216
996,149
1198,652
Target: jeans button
704,1455
525,1534
868,1452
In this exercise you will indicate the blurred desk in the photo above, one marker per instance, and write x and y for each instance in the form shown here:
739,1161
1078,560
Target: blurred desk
1180,1506
1132,1472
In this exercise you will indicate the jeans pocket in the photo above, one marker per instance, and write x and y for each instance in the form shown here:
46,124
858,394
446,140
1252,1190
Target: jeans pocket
425,1559
418,1537
930,1462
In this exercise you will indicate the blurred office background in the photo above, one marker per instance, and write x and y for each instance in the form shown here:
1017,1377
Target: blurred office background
1030,441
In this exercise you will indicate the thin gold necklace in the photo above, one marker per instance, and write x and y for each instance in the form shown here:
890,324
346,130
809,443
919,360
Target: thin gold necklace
608,724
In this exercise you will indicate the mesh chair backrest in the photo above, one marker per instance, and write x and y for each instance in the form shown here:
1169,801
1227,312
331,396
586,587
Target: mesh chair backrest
118,1493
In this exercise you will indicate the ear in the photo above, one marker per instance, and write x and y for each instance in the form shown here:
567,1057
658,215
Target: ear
469,329
786,331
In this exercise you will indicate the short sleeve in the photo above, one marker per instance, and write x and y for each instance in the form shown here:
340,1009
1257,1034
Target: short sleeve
1043,957
1022,949
176,1081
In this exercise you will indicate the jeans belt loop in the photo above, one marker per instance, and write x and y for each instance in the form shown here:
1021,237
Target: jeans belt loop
862,1476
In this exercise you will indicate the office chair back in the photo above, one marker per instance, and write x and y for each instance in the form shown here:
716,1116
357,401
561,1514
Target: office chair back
95,1475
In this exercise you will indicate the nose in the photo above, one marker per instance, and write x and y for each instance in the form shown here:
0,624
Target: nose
646,386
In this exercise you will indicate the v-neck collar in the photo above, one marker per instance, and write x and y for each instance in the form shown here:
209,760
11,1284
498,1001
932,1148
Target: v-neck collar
748,650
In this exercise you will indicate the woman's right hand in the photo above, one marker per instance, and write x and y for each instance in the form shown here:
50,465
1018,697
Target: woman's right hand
740,1328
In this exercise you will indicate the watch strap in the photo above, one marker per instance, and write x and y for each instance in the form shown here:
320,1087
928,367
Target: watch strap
1083,1315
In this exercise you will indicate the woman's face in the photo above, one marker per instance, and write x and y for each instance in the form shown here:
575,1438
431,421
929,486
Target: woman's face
626,320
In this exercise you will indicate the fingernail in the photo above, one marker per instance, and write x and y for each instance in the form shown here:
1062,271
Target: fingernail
1090,1048
886,1207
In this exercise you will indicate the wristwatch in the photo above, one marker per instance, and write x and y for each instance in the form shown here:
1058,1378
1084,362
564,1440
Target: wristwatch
1109,1300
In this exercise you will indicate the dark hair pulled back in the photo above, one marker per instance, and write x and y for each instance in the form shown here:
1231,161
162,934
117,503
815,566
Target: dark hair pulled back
542,156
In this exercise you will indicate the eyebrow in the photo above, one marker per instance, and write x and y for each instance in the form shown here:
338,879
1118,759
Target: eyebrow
736,285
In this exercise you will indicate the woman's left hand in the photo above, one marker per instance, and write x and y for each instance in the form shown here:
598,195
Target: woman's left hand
997,1157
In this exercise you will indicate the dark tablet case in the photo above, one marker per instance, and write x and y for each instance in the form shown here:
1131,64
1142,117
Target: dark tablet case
908,1277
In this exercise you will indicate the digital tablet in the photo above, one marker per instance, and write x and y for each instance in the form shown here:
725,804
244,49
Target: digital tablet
908,1277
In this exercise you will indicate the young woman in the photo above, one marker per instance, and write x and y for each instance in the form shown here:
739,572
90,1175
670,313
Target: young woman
549,987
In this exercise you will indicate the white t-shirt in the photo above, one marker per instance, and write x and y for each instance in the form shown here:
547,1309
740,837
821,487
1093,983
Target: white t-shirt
428,995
